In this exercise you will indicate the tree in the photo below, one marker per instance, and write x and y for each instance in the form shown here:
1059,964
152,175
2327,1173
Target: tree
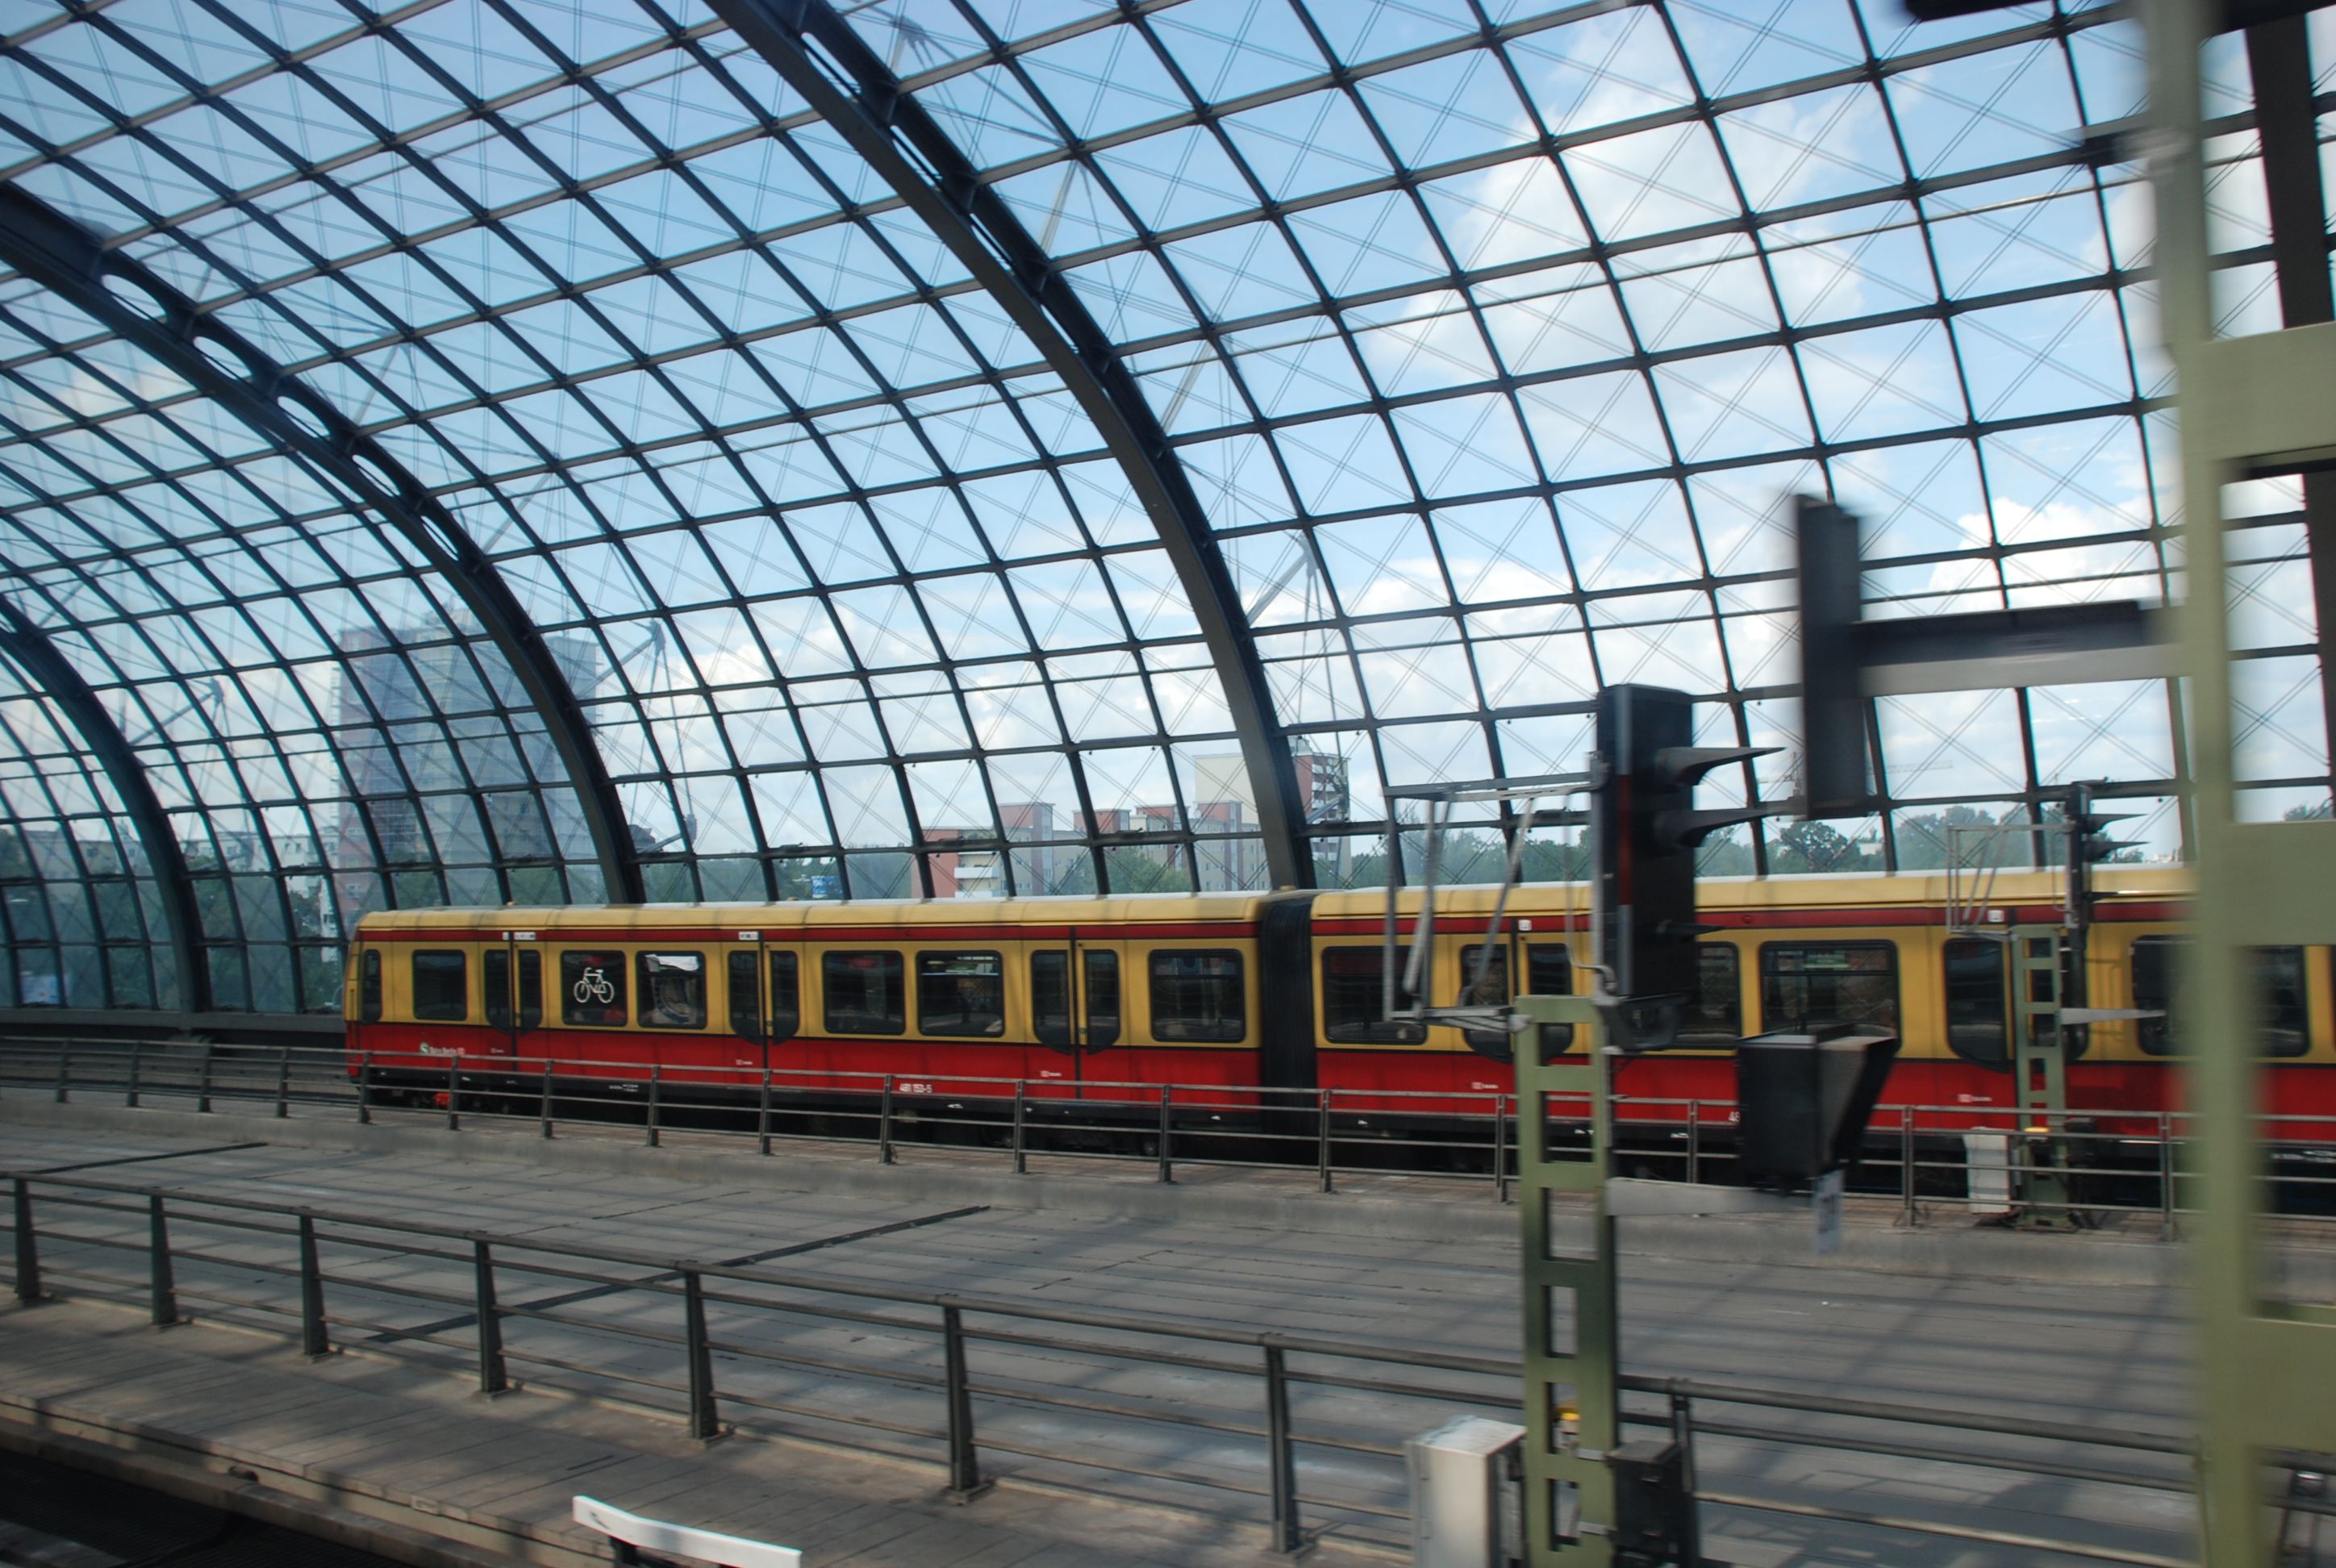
1818,848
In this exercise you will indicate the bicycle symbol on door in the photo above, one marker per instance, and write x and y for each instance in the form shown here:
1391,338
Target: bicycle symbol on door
594,986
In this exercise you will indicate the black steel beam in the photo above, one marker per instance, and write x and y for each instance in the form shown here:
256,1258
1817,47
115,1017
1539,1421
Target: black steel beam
31,651
2287,119
806,42
59,253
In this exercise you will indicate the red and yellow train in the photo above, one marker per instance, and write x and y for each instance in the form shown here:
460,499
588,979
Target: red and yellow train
1274,990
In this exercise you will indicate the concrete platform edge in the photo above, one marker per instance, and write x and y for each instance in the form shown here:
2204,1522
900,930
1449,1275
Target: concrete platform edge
155,1461
1947,1249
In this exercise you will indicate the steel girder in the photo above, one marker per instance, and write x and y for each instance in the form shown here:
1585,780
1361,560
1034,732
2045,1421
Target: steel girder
2287,122
58,253
30,649
804,41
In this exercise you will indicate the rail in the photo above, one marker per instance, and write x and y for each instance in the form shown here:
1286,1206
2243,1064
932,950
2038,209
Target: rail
2114,1160
1305,1431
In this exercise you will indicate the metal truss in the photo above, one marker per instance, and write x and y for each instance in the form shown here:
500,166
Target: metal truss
60,254
828,427
886,126
24,644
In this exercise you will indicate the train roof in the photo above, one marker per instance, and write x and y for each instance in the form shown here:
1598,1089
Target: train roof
814,914
1875,890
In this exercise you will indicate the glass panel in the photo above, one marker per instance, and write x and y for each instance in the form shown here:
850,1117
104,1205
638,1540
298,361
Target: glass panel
673,990
1102,999
1354,996
864,993
745,975
1050,998
369,986
1976,1026
442,986
786,1007
2277,974
2279,987
592,989
1549,972
1485,983
2153,959
1715,1014
1197,997
494,984
531,989
960,994
1804,985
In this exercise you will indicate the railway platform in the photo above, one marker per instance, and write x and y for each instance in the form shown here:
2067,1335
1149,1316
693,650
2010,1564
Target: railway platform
1119,1395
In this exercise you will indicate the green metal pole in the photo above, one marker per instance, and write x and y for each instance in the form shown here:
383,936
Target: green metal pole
1572,1404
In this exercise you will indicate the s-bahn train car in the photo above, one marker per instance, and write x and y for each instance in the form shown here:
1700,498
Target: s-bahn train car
1235,991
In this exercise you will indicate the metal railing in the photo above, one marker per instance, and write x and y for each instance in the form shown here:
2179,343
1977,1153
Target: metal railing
1468,1136
1313,1445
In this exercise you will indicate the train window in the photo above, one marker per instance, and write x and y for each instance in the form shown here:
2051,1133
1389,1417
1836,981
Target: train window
786,998
494,986
1354,996
1050,998
369,986
2279,993
1102,999
442,986
1715,1014
961,993
592,988
1198,996
495,979
745,995
1549,972
1804,985
864,993
673,990
1976,1013
1485,983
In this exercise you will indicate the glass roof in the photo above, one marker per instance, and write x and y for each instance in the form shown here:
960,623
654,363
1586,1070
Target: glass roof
1489,338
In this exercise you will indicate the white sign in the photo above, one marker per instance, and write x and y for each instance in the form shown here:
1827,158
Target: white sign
750,936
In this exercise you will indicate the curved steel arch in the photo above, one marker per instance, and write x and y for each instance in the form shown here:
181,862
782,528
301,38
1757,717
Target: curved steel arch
58,253
803,40
25,646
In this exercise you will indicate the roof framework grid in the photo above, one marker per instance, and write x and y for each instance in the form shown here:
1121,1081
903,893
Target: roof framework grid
804,41
49,672
47,246
1089,446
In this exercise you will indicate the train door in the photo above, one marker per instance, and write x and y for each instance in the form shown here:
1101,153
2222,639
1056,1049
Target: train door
1075,1007
511,977
750,1019
778,1001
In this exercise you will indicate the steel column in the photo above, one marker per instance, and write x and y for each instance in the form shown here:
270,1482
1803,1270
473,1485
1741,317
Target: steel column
2287,122
893,132
2261,403
62,256
964,1458
314,1341
31,651
494,1377
28,1248
162,1286
704,1415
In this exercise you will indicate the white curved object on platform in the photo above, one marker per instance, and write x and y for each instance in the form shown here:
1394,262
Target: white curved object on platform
705,1546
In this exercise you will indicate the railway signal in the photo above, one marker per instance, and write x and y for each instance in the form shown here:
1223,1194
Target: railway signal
1647,831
